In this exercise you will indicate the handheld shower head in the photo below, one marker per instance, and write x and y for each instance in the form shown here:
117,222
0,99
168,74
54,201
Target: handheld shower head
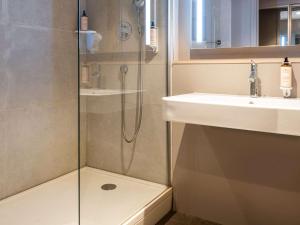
139,3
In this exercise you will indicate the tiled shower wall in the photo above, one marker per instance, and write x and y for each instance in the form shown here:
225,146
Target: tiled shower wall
105,149
38,104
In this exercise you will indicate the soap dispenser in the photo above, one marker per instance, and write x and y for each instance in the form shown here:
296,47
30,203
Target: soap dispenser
286,78
154,37
84,21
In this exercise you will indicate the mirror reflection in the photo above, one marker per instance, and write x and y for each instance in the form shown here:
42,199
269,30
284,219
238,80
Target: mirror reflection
247,23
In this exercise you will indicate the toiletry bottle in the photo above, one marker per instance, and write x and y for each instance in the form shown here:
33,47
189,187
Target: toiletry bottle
154,36
95,74
85,74
84,21
286,78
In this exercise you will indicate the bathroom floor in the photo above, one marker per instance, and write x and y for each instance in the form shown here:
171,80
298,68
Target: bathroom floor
181,219
56,202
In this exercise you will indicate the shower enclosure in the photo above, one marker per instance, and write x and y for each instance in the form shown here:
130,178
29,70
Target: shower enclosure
82,140
123,138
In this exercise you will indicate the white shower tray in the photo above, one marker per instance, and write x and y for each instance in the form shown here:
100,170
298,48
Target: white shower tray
133,202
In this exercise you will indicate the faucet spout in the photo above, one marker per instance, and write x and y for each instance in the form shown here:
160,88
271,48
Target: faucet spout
253,80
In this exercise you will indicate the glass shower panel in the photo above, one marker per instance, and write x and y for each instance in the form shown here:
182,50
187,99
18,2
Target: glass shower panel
38,112
124,153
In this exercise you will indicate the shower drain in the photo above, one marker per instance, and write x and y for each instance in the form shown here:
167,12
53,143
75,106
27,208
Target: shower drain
108,187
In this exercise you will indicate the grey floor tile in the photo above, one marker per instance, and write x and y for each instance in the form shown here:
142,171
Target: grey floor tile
174,223
198,221
181,219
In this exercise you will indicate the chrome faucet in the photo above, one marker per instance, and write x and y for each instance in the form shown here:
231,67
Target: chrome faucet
253,80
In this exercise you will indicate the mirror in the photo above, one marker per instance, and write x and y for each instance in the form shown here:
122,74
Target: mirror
246,23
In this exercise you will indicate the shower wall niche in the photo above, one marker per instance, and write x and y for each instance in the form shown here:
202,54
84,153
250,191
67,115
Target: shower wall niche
102,146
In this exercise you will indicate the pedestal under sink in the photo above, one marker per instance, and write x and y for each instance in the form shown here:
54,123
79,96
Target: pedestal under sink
264,114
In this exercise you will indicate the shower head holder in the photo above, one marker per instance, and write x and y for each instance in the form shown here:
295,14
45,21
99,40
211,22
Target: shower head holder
139,3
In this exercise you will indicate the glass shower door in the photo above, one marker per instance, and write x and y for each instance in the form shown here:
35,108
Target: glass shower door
123,137
38,112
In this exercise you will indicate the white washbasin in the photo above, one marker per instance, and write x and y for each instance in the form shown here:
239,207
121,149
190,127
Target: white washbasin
265,114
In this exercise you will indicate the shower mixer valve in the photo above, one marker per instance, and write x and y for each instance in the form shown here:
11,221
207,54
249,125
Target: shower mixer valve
124,69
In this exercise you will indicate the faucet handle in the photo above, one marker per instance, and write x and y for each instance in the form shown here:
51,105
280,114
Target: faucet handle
252,79
253,66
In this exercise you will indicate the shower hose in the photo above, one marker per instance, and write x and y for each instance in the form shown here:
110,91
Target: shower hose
139,93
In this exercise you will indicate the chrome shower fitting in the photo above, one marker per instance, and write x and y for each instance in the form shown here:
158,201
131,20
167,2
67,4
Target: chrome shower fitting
139,95
253,80
139,3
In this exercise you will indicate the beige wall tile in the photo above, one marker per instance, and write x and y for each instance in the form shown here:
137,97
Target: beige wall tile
43,13
41,145
105,19
38,92
106,16
155,83
83,130
3,154
42,66
106,151
2,11
3,72
104,146
148,160
230,78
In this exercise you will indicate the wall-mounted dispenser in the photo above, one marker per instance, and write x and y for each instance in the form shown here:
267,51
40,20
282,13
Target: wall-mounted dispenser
89,41
151,29
286,84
